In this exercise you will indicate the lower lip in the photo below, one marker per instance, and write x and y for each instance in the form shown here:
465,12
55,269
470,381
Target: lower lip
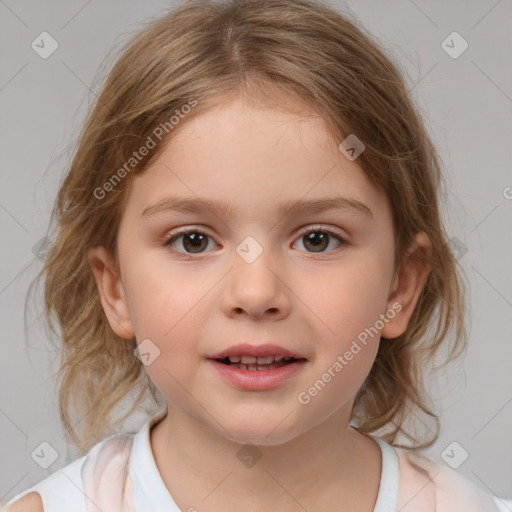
257,380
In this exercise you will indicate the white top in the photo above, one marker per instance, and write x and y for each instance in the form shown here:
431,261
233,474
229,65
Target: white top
119,474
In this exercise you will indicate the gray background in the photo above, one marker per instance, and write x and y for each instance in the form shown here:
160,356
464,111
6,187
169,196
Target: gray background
467,103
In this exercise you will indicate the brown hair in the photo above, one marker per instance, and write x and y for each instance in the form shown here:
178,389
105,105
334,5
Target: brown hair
210,52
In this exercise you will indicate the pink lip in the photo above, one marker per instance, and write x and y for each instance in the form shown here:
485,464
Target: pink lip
245,349
257,380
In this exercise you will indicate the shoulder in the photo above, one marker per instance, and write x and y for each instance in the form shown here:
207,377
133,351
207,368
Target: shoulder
426,485
102,469
106,469
32,502
65,482
109,453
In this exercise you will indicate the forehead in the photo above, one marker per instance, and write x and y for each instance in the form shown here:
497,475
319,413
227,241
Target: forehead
252,157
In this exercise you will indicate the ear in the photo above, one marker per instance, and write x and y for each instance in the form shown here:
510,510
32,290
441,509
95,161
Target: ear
407,284
111,291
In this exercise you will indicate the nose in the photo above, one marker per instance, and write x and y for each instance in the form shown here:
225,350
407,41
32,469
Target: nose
257,288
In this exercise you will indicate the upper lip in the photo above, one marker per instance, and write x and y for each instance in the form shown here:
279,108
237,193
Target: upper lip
246,349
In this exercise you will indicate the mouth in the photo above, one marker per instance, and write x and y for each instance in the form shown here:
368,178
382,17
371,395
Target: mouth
253,363
257,373
253,367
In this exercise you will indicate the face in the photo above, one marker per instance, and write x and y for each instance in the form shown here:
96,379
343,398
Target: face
238,269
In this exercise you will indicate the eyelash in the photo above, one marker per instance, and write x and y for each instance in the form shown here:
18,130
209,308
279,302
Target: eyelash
315,229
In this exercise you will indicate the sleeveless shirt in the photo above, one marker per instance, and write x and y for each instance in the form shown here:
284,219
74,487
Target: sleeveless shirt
119,474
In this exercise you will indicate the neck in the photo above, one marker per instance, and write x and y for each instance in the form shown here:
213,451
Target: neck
204,469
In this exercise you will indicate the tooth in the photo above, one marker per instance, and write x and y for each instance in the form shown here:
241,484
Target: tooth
248,360
265,360
252,367
278,358
235,359
266,367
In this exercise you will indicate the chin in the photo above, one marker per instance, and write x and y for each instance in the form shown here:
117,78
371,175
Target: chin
261,433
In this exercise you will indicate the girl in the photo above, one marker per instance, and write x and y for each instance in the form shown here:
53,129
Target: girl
250,229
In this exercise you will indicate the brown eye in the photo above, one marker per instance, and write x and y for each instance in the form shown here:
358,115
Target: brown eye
193,242
318,240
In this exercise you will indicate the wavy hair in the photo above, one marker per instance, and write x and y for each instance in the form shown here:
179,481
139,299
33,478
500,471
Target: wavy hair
267,51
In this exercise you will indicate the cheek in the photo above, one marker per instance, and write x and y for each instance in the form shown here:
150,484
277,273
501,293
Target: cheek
164,296
350,301
349,298
169,305
338,380
172,321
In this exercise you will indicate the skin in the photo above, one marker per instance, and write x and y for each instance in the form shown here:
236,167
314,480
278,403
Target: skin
312,303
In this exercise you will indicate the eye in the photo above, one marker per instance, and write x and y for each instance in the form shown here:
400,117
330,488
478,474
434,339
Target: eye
193,241
317,239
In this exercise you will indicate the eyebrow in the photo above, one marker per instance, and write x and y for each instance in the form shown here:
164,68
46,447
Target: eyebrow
198,205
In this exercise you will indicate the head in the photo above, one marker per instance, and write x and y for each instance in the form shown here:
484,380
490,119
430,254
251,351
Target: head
246,104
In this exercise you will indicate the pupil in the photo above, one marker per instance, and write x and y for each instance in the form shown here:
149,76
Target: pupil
317,239
195,239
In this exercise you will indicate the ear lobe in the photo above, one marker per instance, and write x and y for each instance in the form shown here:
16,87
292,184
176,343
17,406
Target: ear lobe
111,291
408,284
